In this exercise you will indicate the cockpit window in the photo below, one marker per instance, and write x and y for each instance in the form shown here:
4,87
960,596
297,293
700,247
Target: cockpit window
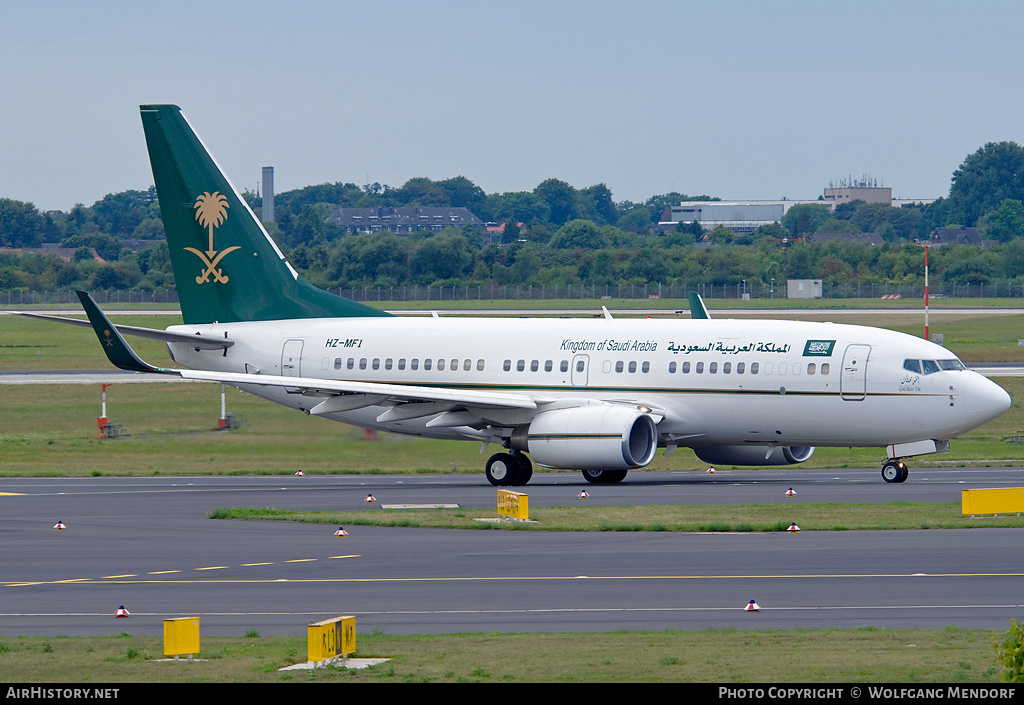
931,366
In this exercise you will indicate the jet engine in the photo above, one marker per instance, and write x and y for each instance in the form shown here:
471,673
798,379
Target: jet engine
754,455
595,436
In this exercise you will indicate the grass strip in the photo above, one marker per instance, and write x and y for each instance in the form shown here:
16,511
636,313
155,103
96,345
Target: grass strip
735,518
862,655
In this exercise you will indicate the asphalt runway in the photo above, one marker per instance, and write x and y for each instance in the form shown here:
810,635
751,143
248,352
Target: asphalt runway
146,543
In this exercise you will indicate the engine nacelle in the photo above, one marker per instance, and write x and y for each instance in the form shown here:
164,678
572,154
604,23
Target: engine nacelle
595,436
754,455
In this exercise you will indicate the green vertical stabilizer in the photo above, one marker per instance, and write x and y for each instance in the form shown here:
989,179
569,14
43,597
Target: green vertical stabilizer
226,266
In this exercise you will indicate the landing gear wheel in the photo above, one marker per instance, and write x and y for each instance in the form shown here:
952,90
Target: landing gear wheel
525,468
502,470
895,471
613,476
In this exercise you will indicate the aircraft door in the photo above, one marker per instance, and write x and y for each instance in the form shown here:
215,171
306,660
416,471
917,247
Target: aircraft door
291,357
579,370
854,380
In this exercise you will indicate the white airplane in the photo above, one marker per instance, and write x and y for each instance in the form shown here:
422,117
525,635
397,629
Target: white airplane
598,395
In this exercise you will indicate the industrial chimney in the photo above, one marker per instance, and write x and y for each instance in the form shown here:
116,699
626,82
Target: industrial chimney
268,194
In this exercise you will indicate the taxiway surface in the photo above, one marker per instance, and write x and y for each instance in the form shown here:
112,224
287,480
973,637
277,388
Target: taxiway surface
147,543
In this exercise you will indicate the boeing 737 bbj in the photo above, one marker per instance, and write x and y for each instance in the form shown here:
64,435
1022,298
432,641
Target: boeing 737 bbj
598,395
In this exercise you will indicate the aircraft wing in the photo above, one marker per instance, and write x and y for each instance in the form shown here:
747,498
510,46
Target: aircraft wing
377,391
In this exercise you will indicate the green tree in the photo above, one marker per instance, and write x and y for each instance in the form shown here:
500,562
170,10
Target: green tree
1005,223
985,179
579,234
560,198
805,218
21,224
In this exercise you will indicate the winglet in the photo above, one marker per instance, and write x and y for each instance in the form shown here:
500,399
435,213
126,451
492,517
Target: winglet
118,351
697,308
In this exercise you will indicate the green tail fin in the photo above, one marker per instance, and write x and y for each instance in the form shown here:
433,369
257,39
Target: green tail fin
226,266
697,308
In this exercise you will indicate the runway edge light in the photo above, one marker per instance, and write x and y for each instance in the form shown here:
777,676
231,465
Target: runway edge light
122,612
341,531
752,607
59,526
790,492
793,528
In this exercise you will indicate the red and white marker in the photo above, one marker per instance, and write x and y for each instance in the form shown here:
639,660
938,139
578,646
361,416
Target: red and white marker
59,526
790,492
793,528
711,470
300,474
370,499
122,612
584,495
752,607
341,531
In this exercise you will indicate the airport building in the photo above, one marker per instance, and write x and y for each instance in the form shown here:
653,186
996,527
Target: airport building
402,221
738,216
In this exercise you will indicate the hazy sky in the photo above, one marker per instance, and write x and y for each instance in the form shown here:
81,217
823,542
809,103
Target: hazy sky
732,99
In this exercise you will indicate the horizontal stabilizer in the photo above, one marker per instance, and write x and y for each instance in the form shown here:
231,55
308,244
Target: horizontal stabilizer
203,342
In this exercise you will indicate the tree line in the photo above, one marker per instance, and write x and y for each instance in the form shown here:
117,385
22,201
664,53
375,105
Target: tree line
555,234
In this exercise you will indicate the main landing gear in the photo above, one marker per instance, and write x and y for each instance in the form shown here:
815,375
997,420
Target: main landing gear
508,469
895,470
604,477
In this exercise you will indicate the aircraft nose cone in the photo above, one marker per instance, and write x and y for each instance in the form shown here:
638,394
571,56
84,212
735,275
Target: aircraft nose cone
985,400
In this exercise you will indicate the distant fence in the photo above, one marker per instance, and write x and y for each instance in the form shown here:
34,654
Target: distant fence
13,298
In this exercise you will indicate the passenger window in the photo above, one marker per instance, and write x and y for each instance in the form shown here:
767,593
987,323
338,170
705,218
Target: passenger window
548,365
686,368
427,362
783,368
672,367
579,366
520,365
912,366
564,366
713,368
440,364
415,364
376,363
700,368
726,368
811,368
507,365
454,366
824,368
740,366
632,366
767,368
618,366
362,363
387,364
337,363
646,367
754,366
351,363
401,363
480,365
534,365
797,369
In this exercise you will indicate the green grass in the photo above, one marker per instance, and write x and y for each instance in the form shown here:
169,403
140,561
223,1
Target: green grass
740,518
50,430
865,655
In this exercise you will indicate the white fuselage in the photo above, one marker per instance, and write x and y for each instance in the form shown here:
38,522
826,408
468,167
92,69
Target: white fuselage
712,381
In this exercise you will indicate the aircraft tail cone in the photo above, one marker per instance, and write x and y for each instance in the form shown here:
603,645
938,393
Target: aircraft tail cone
122,612
752,607
341,531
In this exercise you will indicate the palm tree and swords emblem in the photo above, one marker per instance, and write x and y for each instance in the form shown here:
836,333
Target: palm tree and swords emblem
211,211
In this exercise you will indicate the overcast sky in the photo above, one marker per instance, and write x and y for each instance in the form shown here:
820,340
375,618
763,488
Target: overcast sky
739,99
